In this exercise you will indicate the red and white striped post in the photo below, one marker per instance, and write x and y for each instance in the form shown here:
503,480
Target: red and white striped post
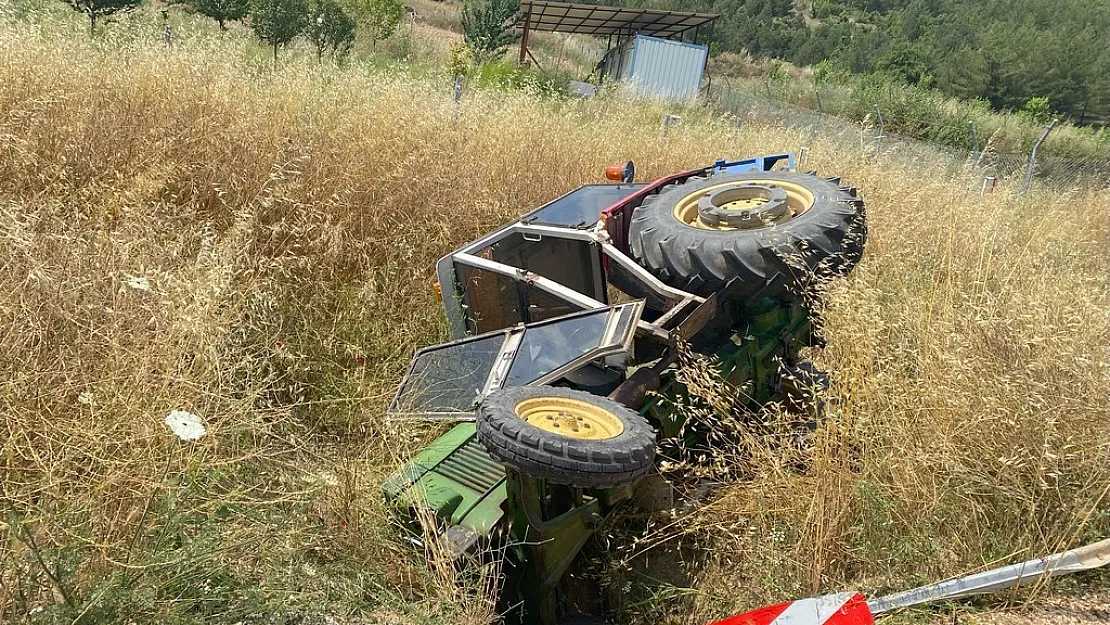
846,608
852,608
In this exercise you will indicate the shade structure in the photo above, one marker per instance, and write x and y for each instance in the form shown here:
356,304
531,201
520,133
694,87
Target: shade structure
591,19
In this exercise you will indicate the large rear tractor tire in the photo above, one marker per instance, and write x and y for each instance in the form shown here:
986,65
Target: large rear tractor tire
768,234
566,436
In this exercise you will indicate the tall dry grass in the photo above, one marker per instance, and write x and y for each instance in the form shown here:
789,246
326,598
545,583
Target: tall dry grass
184,229
967,425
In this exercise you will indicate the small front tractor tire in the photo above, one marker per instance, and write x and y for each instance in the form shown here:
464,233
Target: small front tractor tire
566,436
767,234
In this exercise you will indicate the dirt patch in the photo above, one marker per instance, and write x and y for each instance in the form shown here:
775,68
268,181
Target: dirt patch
1051,611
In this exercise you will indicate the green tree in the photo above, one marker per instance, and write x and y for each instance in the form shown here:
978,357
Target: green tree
329,26
822,71
381,17
905,63
968,74
97,9
223,11
776,79
488,26
1037,111
277,22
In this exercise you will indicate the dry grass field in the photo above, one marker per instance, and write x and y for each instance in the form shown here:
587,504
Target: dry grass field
187,228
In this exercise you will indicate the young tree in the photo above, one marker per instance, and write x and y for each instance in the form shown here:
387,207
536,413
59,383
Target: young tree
96,9
487,26
277,22
381,17
329,26
1037,111
223,11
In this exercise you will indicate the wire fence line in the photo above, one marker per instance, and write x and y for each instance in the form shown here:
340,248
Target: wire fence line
875,141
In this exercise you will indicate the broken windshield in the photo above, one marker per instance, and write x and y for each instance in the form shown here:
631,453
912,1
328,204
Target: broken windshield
547,348
447,381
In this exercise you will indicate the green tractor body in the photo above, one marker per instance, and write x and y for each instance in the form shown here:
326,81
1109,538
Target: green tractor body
454,481
528,307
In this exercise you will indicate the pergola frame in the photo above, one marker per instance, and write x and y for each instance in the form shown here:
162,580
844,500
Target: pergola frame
604,21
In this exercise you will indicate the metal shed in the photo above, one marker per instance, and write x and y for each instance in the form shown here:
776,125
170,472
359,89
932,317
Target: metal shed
654,67
642,50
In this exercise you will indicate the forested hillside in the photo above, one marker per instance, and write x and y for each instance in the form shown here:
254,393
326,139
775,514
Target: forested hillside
1003,51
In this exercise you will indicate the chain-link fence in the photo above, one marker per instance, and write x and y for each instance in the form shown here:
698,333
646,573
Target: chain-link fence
872,138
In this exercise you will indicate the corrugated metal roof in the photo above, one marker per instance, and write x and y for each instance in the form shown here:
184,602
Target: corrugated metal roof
591,19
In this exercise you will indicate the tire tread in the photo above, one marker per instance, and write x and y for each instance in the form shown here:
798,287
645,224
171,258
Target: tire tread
828,239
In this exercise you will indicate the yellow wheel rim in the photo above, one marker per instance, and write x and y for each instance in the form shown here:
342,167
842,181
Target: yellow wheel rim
570,417
797,201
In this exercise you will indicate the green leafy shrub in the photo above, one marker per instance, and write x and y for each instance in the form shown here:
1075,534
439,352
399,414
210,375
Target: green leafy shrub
1036,111
487,26
508,76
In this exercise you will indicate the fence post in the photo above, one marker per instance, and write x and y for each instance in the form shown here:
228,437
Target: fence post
1033,157
458,88
974,144
820,116
882,127
726,97
669,119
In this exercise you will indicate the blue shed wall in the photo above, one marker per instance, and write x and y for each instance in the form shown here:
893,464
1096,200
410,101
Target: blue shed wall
665,69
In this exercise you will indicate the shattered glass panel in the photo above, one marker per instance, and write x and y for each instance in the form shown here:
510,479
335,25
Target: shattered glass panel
551,346
448,378
627,282
573,264
543,306
627,317
492,299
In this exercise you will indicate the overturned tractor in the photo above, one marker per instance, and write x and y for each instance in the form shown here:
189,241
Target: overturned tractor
567,327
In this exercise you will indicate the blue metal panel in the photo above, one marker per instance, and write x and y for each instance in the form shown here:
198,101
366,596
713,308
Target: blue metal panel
755,163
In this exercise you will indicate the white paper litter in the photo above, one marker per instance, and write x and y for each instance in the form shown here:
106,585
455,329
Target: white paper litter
186,425
137,283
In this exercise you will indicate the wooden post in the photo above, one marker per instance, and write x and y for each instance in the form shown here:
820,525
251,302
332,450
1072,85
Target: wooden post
524,36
